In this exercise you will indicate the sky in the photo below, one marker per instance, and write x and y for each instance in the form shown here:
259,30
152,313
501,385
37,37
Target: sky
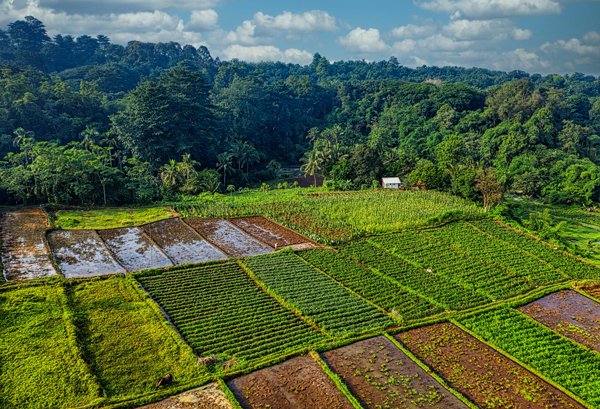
538,36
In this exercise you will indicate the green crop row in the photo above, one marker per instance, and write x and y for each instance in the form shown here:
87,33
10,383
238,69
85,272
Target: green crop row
491,250
318,297
219,310
433,255
556,258
563,361
379,289
437,288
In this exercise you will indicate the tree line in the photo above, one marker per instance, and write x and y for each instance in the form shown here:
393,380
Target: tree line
84,121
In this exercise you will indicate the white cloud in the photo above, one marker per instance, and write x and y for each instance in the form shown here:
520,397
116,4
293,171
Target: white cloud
203,20
499,29
309,21
366,41
483,9
244,34
260,53
413,31
107,6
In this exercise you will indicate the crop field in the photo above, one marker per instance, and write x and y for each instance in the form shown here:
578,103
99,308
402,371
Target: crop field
206,397
268,232
231,240
381,376
296,383
570,314
181,243
101,219
558,359
24,251
127,342
38,352
403,305
81,253
482,374
220,311
315,295
438,289
593,290
134,250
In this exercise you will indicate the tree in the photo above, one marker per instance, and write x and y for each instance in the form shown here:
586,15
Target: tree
489,186
224,163
313,162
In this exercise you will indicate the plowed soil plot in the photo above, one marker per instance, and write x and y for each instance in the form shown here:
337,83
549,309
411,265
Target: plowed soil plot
593,290
133,249
206,397
24,253
479,372
80,253
382,376
275,235
228,238
570,314
297,383
181,243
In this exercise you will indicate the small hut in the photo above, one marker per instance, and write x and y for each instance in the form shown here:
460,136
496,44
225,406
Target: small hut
391,183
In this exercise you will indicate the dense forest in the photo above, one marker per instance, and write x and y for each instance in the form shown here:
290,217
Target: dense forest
84,121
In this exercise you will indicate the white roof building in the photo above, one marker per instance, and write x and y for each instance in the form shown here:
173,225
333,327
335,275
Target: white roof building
391,183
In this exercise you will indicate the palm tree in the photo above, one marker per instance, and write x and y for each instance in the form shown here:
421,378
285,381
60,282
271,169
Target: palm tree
313,162
224,163
245,154
168,174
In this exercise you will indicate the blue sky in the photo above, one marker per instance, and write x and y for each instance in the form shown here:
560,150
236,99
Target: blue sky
545,36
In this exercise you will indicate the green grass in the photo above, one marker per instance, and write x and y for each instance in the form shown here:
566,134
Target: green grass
127,343
336,217
40,363
108,218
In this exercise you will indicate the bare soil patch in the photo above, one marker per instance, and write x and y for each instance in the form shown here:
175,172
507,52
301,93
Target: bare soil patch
479,372
296,383
206,397
24,251
570,314
181,243
80,253
267,231
382,376
134,250
593,290
228,238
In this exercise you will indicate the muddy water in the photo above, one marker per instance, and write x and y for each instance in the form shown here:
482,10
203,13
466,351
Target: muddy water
228,238
24,252
181,243
269,232
134,250
80,253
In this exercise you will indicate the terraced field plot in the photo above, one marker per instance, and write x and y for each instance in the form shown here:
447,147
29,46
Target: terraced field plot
315,295
220,311
228,238
181,243
134,250
38,353
562,361
381,376
570,314
24,251
482,374
296,383
403,305
80,253
205,397
593,290
267,231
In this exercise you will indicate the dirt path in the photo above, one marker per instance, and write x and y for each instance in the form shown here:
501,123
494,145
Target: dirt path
25,254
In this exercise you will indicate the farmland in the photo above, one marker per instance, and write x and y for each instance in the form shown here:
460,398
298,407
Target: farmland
445,311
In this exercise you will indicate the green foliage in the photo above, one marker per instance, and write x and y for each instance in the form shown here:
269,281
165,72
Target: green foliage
41,364
108,218
565,362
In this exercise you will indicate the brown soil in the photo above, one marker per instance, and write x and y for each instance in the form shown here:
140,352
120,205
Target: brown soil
267,231
181,243
24,251
134,250
80,253
382,376
206,397
227,237
593,290
482,374
570,314
296,383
